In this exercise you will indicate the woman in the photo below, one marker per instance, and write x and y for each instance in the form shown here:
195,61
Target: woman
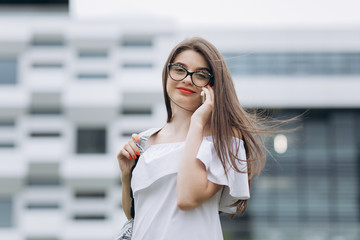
202,161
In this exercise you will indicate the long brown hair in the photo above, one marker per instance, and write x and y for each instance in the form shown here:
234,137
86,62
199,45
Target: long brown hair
228,118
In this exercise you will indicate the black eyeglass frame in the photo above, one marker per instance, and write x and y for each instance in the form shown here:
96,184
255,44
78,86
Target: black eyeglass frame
211,80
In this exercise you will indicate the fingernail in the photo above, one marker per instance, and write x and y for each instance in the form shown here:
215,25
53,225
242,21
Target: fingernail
138,153
130,157
138,139
134,156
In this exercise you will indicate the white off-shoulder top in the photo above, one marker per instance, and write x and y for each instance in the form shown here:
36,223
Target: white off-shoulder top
154,189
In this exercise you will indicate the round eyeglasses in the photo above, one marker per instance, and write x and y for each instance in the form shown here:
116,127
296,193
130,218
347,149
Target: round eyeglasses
199,78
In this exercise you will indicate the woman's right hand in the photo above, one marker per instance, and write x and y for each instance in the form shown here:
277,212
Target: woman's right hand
128,154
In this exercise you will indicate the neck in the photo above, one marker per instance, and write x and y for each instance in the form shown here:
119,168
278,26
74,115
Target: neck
179,124
181,118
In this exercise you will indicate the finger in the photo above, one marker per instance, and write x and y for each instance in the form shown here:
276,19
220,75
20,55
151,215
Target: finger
208,97
211,91
131,150
135,137
205,90
134,147
124,154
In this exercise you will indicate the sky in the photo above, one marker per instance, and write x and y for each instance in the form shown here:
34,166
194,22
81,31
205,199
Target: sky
247,13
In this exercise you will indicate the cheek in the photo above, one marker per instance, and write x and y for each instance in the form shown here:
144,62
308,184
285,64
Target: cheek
170,85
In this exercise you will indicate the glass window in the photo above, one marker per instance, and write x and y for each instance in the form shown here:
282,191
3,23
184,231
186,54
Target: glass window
126,134
4,123
43,174
8,71
47,65
137,41
6,210
45,111
42,206
89,217
294,63
48,41
136,111
137,65
36,181
7,145
90,194
45,134
91,140
92,76
93,54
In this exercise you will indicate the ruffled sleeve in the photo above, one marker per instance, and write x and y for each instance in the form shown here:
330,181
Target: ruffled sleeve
236,186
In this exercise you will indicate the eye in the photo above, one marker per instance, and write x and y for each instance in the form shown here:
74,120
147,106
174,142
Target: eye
202,76
179,69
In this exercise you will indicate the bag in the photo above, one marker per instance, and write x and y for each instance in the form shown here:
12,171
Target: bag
126,231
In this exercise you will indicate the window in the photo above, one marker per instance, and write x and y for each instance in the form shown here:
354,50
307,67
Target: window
7,123
127,134
294,63
42,206
89,217
6,209
36,181
45,134
136,111
92,76
137,65
48,41
7,145
8,71
47,65
47,103
90,194
137,41
45,111
41,174
91,140
92,54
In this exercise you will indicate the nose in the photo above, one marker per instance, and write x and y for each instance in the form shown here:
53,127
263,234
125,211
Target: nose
188,79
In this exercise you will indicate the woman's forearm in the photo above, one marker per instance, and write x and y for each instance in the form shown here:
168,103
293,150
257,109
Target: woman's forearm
192,179
126,199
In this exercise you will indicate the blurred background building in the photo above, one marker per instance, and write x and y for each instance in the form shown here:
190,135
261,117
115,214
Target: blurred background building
72,92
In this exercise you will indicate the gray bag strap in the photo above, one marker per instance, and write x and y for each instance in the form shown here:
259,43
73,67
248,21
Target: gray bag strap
144,136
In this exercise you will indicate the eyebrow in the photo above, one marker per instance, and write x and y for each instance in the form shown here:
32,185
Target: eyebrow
197,69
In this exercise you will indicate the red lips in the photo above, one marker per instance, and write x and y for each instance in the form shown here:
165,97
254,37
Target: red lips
185,90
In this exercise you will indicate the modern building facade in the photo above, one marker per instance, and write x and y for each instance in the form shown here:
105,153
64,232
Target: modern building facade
72,92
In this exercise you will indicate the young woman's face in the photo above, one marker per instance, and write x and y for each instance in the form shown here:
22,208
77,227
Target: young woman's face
184,92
